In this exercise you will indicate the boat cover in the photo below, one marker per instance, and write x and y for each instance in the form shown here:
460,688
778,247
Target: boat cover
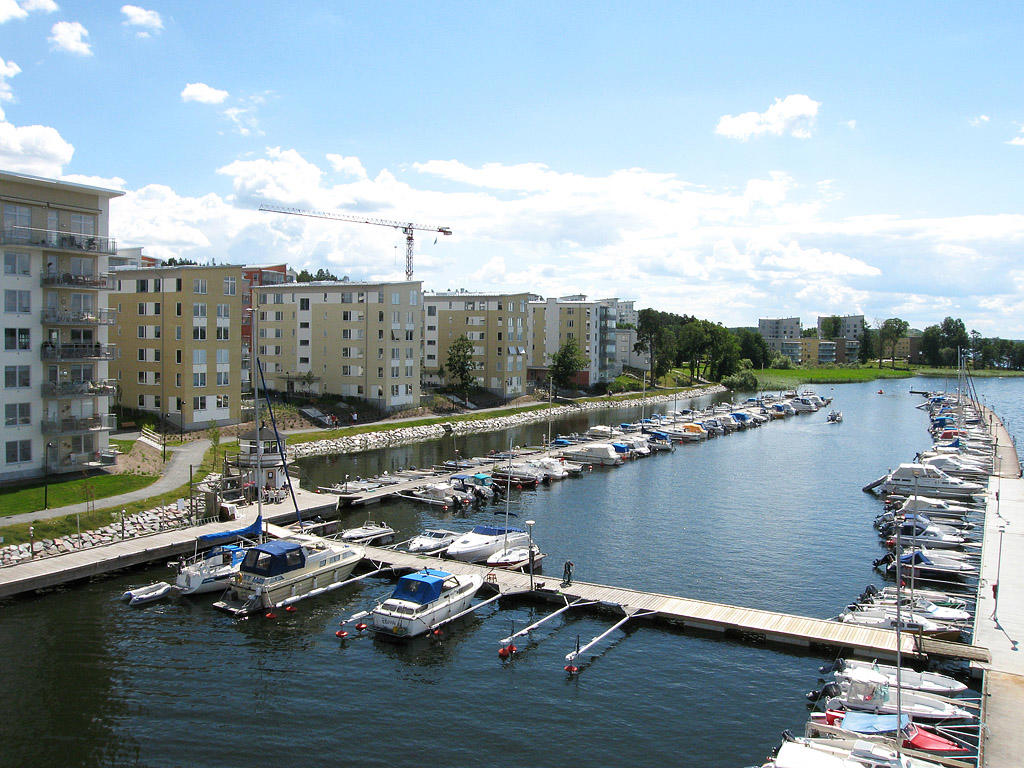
864,722
483,477
916,558
490,530
461,477
273,558
252,530
660,435
620,447
421,587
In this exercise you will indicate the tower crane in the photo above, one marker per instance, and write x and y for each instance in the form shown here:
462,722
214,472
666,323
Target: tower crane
405,227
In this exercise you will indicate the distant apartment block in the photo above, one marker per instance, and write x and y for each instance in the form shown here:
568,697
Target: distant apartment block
346,338
592,324
57,391
495,323
179,330
776,331
850,326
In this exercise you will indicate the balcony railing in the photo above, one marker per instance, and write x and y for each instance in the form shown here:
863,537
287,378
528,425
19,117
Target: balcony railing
56,240
71,280
71,424
99,388
54,316
79,351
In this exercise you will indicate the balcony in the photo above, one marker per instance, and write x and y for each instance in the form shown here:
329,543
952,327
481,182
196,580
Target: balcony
72,424
99,388
54,316
72,462
79,351
58,241
104,282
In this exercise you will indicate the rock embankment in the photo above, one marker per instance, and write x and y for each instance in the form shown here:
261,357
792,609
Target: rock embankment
405,435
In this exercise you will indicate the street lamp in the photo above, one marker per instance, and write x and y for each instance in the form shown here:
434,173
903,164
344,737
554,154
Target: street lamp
999,565
46,476
529,528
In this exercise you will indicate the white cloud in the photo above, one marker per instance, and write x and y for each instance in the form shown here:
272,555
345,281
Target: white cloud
35,149
793,115
113,182
351,166
44,6
851,124
9,9
203,93
70,36
1017,141
979,120
144,21
8,69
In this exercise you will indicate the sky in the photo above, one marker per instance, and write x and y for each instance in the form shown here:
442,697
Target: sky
725,160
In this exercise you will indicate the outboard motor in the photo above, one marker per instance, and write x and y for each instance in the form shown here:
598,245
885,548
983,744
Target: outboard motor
871,589
787,735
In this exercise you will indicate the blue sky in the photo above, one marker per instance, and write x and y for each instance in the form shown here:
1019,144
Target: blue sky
728,160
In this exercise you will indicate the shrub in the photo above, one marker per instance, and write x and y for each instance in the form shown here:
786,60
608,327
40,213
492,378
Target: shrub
744,380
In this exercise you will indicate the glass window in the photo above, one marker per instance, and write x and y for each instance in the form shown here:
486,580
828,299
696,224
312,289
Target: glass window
199,285
16,338
199,333
83,224
199,309
199,403
223,356
16,264
16,414
223,310
229,287
223,333
198,379
17,301
223,379
17,376
303,304
18,451
198,357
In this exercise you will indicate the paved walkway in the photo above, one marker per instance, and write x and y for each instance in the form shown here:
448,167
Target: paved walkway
174,475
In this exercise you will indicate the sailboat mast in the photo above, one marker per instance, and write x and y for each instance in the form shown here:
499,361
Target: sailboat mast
899,642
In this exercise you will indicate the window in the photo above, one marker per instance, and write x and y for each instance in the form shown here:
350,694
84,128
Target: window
222,379
17,376
198,357
18,450
17,216
156,307
380,317
199,309
141,331
177,356
303,361
83,224
142,286
177,309
396,298
413,297
199,285
177,380
222,401
198,379
156,401
303,305
142,355
142,309
177,333
16,414
223,333
395,372
156,331
157,285
142,401
432,310
17,301
408,336
142,377
303,342
223,356
223,310
394,390
16,338
229,286
199,403
199,333
16,264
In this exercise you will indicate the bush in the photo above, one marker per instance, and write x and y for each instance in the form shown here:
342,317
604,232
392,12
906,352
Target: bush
744,381
781,362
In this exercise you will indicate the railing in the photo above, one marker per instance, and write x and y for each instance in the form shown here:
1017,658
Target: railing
79,424
98,388
71,280
73,461
55,316
51,238
79,351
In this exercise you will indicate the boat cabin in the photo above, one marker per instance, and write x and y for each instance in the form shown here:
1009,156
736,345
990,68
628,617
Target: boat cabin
273,558
423,587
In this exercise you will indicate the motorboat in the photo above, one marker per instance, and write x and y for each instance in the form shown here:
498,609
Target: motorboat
934,507
658,440
883,617
914,479
208,571
929,682
442,494
916,531
871,692
422,600
803,405
432,541
480,485
370,533
879,728
932,595
594,453
603,432
283,571
516,558
842,753
484,540
637,445
834,417
923,607
517,474
956,466
551,468
928,564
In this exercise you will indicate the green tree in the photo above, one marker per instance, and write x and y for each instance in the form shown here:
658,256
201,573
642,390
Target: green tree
214,434
831,327
754,347
566,363
868,342
809,333
458,368
692,341
931,345
892,331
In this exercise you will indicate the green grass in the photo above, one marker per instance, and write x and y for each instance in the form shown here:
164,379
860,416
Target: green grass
124,446
982,373
790,378
63,526
16,501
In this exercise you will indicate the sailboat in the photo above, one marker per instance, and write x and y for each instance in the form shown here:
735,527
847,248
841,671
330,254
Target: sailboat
515,554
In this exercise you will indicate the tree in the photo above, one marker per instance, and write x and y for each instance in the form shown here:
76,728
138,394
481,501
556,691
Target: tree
321,275
866,352
214,434
809,333
175,262
566,362
754,347
459,366
931,345
692,341
892,331
831,327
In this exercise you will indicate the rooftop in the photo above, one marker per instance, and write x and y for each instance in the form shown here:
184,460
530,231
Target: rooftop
40,181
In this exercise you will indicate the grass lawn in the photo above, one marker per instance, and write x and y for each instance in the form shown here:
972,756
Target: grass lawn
14,501
124,446
790,378
62,526
982,373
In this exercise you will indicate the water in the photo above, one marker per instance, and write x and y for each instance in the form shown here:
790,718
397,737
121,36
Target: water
771,518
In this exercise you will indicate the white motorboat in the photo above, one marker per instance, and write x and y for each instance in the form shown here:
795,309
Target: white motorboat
956,466
422,600
516,558
551,468
802,752
484,540
871,692
432,541
209,571
835,417
594,453
603,432
803,405
932,595
884,617
370,532
479,485
929,564
282,571
934,507
915,479
929,682
637,445
441,494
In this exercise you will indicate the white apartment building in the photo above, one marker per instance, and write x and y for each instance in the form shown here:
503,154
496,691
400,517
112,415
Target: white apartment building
777,330
591,324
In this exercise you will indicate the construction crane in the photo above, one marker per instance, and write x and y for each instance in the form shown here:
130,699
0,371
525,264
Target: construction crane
405,227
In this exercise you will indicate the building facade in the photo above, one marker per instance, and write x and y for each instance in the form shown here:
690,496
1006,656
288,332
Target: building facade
497,326
179,330
345,338
778,330
253,276
850,326
57,388
592,324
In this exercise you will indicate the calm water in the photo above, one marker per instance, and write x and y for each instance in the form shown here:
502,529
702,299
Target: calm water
772,518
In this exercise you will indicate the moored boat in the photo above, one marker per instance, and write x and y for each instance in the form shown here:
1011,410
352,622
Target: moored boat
423,599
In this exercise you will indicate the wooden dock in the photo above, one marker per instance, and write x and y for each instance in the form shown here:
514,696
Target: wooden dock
749,623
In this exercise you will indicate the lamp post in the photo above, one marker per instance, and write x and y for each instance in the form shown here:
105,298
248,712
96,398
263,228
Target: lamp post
999,565
46,476
529,528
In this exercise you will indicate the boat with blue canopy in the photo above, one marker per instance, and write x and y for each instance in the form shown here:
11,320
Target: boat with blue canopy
422,600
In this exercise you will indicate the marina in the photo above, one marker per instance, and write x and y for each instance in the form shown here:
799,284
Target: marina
666,620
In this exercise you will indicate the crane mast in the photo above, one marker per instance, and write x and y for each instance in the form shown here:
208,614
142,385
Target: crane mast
406,228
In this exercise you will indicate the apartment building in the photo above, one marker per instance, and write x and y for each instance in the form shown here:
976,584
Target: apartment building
495,323
345,338
179,330
253,276
57,390
850,326
591,324
778,330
